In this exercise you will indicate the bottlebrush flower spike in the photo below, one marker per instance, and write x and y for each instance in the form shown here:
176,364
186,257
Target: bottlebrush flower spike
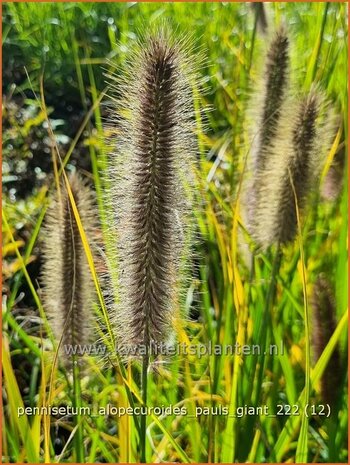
266,108
323,326
68,289
151,179
334,180
260,17
273,95
295,161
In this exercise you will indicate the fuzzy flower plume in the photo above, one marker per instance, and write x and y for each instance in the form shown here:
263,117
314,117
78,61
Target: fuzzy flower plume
323,326
289,147
273,94
68,290
295,161
260,16
151,176
265,110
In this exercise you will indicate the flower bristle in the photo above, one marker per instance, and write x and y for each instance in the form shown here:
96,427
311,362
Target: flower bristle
266,107
323,326
151,172
68,290
289,149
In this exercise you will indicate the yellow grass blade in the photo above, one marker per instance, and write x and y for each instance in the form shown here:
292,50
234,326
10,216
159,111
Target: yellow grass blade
15,403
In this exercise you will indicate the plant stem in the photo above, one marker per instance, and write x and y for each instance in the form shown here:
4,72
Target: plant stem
79,437
258,368
268,304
